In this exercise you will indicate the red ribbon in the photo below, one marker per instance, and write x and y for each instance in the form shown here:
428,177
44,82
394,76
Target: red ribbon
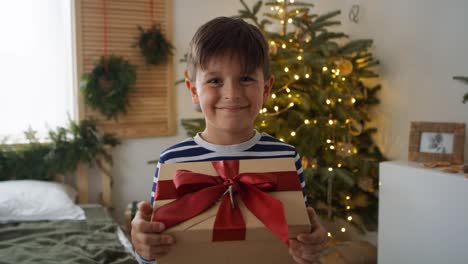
196,192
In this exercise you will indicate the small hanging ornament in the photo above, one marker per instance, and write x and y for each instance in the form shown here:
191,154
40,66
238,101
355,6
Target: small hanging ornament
344,149
273,48
366,184
355,127
308,163
345,66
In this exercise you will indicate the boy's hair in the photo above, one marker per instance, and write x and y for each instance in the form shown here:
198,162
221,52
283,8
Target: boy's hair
229,36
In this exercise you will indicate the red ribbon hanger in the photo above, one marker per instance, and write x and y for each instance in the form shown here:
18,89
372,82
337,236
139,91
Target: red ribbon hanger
196,192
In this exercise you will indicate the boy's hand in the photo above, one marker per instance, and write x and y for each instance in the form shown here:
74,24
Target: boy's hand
307,247
146,237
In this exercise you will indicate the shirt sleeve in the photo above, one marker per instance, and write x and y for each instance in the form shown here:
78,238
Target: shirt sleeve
155,183
300,173
142,260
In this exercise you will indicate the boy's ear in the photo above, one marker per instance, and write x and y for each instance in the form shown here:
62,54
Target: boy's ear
192,89
267,87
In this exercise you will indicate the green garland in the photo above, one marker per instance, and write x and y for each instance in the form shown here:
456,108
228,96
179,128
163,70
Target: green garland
80,142
108,91
153,46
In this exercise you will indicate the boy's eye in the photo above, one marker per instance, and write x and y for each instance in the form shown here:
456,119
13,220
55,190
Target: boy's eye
214,81
247,79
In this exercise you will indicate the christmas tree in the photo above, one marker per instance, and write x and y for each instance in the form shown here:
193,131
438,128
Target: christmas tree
319,104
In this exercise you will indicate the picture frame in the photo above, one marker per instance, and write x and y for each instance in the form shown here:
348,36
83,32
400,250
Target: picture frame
437,141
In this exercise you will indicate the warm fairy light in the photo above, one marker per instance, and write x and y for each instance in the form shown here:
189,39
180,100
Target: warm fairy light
272,8
306,121
328,141
281,139
347,197
339,100
329,234
330,169
324,68
293,134
339,165
289,95
288,90
273,96
291,104
330,122
307,76
328,101
297,11
290,40
282,21
315,121
343,79
332,147
296,77
353,100
291,1
264,110
333,70
272,42
297,95
350,218
276,7
347,121
355,151
283,46
276,108
286,69
337,72
348,207
299,57
260,111
307,40
290,20
343,229
301,50
280,11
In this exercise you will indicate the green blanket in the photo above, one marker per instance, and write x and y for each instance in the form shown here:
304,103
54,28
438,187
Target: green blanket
93,240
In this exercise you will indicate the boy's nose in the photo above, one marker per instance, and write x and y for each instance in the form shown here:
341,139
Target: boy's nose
232,90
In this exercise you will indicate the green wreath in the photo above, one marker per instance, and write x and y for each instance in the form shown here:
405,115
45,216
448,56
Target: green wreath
153,46
108,91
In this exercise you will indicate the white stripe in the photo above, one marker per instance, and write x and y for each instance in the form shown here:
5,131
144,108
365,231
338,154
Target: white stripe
299,171
179,149
296,158
303,184
233,154
158,166
274,143
155,179
152,194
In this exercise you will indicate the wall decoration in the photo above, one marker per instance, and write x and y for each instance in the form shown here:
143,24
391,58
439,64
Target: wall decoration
441,142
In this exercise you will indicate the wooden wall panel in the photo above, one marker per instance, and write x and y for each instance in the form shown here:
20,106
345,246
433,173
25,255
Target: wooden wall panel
152,110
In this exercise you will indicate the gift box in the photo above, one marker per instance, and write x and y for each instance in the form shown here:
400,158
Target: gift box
230,211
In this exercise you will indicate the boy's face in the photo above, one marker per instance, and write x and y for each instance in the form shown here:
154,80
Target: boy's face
229,98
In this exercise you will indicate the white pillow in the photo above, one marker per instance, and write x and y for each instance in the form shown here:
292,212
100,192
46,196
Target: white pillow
31,200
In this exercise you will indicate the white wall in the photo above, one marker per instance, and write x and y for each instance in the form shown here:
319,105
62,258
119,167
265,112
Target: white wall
421,45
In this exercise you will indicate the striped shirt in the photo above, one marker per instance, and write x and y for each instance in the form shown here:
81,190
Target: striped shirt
260,146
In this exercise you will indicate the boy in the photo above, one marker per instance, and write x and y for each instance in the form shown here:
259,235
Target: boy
229,77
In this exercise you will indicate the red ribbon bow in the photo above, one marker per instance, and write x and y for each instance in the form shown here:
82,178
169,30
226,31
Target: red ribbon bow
197,192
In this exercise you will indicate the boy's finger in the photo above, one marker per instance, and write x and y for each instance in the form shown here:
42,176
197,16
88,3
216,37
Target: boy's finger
145,210
144,226
312,217
317,237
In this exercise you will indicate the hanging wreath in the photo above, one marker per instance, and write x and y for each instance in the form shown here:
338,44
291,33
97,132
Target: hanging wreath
108,86
153,46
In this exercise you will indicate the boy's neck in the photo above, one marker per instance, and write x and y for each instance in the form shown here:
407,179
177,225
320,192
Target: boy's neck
226,138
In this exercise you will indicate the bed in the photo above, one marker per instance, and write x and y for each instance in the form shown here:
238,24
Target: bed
41,223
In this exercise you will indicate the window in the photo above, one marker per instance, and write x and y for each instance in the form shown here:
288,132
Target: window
36,66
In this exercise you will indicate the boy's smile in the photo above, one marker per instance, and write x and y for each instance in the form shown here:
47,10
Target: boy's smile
230,99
